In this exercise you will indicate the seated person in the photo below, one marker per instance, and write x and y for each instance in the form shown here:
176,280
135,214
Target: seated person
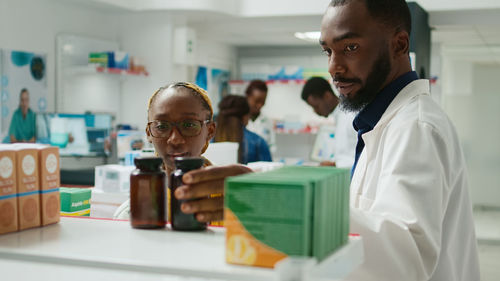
233,117
179,125
23,124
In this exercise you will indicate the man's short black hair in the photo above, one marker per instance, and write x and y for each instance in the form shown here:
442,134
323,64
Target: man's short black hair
316,87
393,13
22,91
256,85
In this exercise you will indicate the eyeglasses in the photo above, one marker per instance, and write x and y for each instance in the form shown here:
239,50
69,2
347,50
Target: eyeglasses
187,128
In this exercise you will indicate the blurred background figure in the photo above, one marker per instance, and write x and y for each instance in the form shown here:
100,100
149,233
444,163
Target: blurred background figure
318,93
23,124
256,94
234,113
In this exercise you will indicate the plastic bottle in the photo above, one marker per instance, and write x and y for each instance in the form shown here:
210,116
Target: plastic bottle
180,220
147,193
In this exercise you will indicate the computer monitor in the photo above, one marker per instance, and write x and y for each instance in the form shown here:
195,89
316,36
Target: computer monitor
75,134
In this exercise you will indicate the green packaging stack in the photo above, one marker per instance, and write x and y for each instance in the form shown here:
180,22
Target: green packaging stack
300,211
75,201
100,58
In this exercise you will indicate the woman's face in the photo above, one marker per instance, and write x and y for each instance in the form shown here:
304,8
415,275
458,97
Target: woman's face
178,105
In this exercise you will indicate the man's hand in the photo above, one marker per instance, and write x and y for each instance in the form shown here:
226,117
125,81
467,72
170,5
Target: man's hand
202,183
327,163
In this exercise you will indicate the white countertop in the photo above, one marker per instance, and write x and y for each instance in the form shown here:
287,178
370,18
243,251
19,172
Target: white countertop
113,250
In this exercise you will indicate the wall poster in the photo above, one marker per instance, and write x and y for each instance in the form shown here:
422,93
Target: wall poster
23,83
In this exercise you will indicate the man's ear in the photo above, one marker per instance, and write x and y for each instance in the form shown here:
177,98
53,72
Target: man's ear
400,44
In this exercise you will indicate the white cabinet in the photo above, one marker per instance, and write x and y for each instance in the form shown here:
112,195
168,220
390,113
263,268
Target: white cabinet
82,87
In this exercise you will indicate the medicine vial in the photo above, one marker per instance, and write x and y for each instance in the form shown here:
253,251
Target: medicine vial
147,193
180,220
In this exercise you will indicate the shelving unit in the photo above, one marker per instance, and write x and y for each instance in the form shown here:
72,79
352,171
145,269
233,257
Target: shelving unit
280,81
91,69
96,248
80,86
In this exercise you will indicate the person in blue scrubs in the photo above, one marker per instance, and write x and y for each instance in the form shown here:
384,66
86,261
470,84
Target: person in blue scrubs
23,124
234,113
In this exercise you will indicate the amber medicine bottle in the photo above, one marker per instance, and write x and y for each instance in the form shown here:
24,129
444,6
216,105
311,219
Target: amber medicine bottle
180,220
147,193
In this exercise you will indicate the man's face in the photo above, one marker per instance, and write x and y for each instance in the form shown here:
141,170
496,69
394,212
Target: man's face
24,102
358,53
321,105
256,101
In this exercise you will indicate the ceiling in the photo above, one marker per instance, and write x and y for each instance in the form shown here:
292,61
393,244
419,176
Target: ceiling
268,23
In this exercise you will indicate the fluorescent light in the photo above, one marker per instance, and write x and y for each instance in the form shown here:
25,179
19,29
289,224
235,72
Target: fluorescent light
311,36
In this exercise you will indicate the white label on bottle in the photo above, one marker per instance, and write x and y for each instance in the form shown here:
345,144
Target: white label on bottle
6,167
28,165
51,163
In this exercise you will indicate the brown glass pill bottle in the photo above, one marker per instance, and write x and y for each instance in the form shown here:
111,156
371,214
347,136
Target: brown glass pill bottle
180,220
147,193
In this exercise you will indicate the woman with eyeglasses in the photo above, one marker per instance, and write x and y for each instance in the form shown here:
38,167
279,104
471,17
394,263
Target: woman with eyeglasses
180,125
179,122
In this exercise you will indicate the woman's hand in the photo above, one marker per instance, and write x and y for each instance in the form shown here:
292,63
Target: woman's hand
203,183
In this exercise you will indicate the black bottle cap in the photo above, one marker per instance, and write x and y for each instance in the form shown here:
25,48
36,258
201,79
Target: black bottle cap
188,163
149,163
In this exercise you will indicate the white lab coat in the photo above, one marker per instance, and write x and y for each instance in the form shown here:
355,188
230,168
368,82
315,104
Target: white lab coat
345,138
410,198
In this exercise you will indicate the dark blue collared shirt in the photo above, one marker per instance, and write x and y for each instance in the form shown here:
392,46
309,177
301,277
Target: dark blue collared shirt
369,116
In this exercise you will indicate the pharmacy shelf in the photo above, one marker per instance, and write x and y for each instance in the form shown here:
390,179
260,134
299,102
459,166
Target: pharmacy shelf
91,69
106,248
271,82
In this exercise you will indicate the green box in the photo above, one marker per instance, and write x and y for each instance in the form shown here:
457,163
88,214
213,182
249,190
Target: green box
75,201
100,58
300,211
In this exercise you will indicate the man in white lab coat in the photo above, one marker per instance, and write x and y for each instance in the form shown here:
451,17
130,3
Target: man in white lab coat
318,93
409,192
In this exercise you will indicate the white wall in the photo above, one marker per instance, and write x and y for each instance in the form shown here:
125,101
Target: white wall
436,71
32,25
471,98
150,36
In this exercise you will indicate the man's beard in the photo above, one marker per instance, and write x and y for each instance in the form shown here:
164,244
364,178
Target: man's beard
373,85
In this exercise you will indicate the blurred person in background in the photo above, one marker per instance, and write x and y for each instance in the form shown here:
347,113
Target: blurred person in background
256,94
234,113
23,124
318,94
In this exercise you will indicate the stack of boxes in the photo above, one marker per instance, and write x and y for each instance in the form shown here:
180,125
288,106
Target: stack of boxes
115,59
292,211
29,186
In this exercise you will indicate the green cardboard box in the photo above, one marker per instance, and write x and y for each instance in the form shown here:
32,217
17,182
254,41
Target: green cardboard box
75,201
295,210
